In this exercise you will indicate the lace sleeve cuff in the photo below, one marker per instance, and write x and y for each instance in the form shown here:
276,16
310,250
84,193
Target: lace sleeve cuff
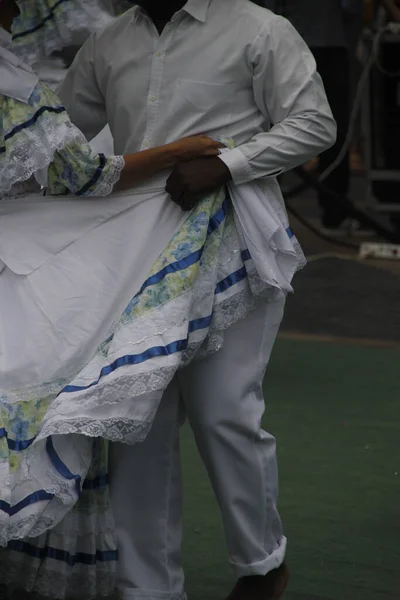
79,171
31,134
105,178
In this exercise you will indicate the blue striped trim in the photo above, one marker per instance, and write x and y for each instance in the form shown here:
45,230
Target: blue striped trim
95,178
42,495
134,359
231,280
32,121
173,348
62,467
179,265
39,496
16,445
198,324
219,216
188,261
62,555
21,445
246,255
177,346
41,24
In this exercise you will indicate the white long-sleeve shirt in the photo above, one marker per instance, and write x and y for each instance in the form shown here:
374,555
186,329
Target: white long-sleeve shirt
226,68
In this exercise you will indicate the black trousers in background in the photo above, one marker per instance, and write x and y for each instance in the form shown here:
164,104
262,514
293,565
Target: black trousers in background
333,66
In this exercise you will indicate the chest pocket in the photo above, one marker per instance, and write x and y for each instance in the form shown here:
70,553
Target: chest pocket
205,96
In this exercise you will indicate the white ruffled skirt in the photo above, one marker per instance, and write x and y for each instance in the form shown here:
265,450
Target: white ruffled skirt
101,301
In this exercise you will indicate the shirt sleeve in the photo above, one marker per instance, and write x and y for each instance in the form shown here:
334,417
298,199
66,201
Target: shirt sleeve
81,94
78,170
290,94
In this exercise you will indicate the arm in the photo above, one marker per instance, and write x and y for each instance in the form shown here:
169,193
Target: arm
78,170
143,165
290,93
81,95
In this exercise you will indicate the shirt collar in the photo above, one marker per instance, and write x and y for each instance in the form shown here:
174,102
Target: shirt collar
198,9
5,39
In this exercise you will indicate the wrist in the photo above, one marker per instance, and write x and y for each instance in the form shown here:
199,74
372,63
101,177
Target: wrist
238,165
224,171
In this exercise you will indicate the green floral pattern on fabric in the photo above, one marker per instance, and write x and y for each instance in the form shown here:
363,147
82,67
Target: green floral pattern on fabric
45,26
39,135
191,240
193,243
78,170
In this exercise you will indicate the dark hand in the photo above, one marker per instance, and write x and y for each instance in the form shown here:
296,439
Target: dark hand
191,181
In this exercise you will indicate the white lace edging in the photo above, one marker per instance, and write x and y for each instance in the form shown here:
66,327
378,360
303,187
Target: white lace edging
52,581
105,186
122,406
115,392
35,150
122,428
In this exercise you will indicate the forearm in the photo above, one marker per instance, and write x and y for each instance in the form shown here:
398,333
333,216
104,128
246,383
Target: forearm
77,170
287,145
143,165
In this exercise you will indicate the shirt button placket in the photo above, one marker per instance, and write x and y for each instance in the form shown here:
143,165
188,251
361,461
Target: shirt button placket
156,76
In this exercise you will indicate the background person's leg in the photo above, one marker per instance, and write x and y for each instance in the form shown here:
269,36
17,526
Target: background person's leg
224,401
146,495
354,26
333,66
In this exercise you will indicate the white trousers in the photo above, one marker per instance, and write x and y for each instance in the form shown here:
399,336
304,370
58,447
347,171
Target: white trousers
223,399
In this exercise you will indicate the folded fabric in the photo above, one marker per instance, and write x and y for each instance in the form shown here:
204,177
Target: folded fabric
36,228
275,250
17,80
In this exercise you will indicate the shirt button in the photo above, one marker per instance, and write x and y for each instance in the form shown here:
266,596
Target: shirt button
153,98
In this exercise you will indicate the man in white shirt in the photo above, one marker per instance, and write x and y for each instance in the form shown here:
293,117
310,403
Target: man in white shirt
231,69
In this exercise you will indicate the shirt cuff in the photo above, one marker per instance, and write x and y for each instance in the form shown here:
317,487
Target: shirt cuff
238,165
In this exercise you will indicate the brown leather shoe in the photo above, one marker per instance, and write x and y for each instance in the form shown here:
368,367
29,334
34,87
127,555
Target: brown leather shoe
270,587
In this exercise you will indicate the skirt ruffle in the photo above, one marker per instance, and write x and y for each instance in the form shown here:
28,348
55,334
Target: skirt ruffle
52,488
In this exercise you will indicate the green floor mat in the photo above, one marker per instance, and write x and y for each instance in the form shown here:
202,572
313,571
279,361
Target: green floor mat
335,412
